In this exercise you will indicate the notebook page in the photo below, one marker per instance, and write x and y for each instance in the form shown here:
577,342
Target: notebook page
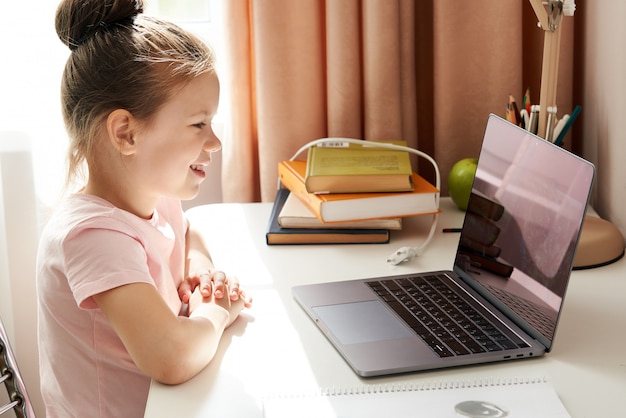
518,398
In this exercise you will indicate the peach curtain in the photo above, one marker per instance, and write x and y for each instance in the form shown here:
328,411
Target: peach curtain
427,72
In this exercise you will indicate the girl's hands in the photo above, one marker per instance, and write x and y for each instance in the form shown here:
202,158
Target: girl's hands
214,287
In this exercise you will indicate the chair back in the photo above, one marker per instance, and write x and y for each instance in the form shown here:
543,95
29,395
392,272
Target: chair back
11,378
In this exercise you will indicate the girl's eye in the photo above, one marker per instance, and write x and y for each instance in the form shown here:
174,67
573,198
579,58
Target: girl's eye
199,125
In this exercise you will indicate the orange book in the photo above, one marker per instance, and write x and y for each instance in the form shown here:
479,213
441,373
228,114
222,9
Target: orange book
341,207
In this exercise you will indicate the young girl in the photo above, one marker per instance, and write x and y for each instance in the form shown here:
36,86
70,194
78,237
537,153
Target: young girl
127,291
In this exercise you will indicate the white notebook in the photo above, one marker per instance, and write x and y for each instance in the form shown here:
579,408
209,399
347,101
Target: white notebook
515,397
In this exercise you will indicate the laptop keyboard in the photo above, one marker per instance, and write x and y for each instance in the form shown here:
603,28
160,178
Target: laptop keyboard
452,325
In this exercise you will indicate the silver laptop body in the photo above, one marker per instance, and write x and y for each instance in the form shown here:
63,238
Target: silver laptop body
509,278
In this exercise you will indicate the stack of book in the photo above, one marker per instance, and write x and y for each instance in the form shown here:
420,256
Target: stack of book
347,194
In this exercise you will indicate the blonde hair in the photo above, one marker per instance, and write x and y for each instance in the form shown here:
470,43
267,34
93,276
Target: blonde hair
120,59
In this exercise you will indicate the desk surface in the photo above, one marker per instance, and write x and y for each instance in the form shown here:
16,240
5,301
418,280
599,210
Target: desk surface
275,348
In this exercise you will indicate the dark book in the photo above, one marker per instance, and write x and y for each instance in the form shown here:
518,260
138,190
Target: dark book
276,235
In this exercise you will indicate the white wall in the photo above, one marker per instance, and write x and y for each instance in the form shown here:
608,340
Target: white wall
32,62
603,115
18,247
33,58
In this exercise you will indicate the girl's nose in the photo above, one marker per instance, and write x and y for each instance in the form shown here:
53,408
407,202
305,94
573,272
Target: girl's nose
212,143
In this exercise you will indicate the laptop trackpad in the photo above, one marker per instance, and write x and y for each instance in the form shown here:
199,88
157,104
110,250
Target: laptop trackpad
361,322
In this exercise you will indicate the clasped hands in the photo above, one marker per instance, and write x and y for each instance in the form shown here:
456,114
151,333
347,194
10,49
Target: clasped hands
217,288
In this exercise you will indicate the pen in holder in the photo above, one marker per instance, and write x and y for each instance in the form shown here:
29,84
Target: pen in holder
550,124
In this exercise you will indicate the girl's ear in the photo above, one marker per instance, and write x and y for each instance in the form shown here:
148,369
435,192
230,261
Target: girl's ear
120,127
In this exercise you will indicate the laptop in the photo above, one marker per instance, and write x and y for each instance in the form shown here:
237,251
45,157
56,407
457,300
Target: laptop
502,298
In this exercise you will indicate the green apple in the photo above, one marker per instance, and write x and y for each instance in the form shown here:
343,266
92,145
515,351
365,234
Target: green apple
460,180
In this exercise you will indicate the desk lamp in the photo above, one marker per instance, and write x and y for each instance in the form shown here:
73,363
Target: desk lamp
600,242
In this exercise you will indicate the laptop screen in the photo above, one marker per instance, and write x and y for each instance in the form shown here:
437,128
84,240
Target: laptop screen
522,225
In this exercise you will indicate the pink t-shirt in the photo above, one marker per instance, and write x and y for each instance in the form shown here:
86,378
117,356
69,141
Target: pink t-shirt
90,246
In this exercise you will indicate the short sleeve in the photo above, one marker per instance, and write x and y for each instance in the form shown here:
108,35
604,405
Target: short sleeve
97,260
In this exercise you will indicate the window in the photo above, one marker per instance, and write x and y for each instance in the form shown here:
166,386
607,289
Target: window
198,17
188,11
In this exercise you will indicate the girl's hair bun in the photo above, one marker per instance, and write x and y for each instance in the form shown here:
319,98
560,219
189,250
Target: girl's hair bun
78,20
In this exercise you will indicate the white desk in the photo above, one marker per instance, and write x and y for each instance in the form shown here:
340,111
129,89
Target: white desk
275,347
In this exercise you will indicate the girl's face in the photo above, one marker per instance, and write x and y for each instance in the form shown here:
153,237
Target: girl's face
175,148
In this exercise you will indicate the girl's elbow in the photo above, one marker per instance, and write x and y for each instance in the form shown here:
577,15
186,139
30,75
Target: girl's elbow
179,358
174,372
178,366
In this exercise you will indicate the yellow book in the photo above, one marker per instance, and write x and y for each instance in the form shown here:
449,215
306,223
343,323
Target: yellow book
342,207
344,167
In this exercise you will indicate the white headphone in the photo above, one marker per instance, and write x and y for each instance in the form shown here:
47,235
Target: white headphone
404,253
